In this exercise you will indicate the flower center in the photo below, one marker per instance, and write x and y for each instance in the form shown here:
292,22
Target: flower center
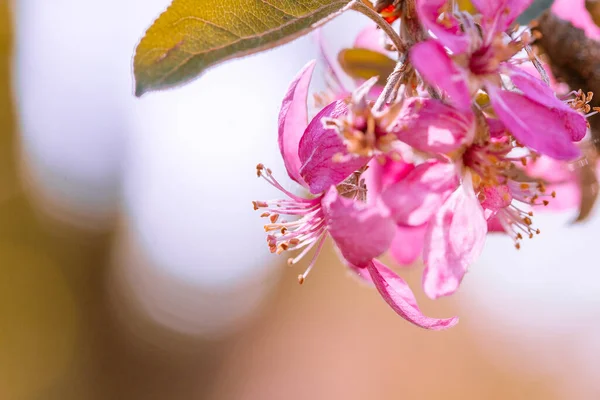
362,134
500,182
483,61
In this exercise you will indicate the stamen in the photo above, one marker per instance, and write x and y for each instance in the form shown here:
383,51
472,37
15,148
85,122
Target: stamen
302,278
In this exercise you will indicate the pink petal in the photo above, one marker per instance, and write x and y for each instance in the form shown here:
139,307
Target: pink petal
533,124
407,245
398,295
494,225
500,14
370,38
381,175
431,126
415,199
574,11
550,170
536,90
453,241
361,232
317,149
496,127
449,33
293,118
563,181
568,197
496,197
437,68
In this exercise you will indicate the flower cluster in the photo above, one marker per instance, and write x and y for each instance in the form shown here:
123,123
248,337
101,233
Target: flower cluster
428,165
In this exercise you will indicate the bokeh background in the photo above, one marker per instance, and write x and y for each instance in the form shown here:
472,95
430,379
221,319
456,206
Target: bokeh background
133,267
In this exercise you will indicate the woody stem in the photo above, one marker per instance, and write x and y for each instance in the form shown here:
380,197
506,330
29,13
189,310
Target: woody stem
390,85
358,5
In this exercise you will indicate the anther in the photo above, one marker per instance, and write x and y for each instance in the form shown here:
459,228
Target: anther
259,204
274,218
301,279
259,169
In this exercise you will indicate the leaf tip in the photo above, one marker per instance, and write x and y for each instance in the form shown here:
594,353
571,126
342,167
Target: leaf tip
140,89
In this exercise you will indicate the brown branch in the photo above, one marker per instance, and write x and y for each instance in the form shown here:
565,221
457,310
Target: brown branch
574,59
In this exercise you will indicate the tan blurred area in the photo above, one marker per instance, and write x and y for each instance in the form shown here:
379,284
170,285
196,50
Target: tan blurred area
65,334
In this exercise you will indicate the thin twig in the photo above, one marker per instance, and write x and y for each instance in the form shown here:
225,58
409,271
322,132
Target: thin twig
362,8
390,84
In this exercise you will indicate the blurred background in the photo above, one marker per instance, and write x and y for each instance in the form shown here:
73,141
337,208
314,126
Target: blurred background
133,267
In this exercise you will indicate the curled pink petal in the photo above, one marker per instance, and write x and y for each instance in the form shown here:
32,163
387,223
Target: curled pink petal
431,126
361,232
415,199
293,118
318,148
396,292
535,89
436,67
449,33
453,241
534,125
407,245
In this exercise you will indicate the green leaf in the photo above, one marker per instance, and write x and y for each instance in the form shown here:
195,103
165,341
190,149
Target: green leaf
365,64
192,35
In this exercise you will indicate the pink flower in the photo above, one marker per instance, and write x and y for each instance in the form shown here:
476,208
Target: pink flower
360,230
447,205
479,60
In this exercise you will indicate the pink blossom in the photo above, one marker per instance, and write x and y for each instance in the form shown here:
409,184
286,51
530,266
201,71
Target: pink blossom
360,230
534,115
